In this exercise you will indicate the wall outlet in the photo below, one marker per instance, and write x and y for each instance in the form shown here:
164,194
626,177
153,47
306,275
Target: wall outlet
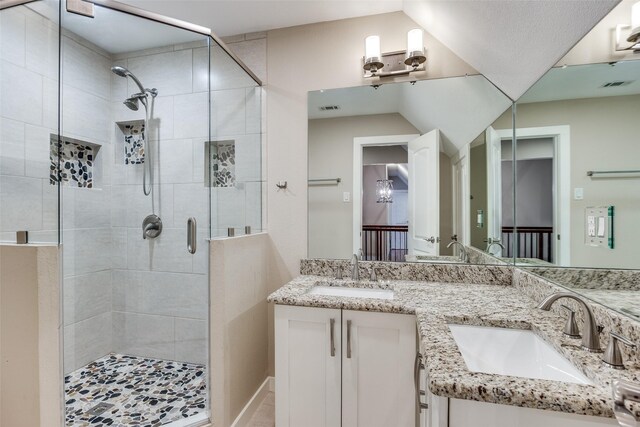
346,197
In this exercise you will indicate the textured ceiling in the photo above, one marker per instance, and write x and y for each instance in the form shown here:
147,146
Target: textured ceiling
512,42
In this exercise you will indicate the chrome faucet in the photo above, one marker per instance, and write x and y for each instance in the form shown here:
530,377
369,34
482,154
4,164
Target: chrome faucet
590,330
488,250
463,251
355,273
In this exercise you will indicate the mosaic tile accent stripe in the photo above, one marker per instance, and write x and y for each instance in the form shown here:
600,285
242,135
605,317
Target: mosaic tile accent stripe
145,392
134,135
76,160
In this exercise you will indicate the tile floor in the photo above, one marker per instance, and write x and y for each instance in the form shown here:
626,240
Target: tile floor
144,392
265,416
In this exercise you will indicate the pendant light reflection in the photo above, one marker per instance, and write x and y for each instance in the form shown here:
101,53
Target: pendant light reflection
384,190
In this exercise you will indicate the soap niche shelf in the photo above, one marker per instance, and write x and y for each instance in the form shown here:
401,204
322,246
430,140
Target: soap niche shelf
132,138
78,162
220,163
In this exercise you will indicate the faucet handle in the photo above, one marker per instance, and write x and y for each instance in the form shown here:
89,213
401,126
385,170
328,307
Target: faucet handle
339,272
613,356
374,276
571,327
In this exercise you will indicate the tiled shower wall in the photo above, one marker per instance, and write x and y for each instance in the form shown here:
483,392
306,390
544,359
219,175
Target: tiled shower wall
159,289
29,82
123,293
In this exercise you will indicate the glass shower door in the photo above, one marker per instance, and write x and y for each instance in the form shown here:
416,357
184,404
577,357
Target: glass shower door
136,219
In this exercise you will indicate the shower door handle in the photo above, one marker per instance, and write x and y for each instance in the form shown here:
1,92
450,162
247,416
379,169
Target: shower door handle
192,228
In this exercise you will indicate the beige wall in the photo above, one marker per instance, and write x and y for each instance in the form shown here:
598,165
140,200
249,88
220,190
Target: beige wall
239,322
30,371
331,156
604,136
312,57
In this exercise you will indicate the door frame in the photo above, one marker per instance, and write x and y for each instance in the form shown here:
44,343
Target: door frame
358,146
561,136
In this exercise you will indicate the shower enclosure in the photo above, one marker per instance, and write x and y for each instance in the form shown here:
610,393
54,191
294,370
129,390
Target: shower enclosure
130,140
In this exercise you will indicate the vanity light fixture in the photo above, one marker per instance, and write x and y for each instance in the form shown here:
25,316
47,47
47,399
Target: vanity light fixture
633,36
384,190
403,62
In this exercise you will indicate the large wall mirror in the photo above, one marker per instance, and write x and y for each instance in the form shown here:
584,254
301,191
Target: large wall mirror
578,171
390,171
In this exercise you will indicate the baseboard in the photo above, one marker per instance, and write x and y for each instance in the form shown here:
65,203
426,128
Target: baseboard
252,406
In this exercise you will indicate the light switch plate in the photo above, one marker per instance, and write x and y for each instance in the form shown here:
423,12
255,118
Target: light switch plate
578,193
346,197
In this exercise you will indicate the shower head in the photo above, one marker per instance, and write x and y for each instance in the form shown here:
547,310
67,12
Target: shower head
123,72
120,71
133,102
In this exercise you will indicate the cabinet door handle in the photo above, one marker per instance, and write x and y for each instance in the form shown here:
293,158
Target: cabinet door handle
333,342
348,339
191,235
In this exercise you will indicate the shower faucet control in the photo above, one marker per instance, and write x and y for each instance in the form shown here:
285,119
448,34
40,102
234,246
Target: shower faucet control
151,226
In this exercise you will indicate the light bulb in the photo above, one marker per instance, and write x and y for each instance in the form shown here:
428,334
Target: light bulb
415,42
372,47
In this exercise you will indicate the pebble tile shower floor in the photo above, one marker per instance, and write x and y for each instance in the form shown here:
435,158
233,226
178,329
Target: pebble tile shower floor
145,392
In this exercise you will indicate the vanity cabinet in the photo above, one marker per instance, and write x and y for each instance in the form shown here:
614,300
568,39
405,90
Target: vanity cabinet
344,368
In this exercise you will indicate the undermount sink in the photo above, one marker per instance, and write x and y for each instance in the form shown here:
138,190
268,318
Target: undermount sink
514,352
344,291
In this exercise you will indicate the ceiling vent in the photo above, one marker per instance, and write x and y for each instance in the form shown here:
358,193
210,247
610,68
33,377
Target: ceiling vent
618,84
329,108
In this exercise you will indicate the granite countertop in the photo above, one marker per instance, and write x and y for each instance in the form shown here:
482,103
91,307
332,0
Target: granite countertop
438,304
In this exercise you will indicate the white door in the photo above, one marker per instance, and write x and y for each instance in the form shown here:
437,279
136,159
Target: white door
307,351
461,196
424,194
494,189
378,354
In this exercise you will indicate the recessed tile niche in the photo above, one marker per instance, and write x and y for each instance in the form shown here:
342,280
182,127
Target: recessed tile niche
220,159
133,134
77,160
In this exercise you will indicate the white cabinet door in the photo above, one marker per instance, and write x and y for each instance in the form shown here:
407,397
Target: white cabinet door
307,366
378,353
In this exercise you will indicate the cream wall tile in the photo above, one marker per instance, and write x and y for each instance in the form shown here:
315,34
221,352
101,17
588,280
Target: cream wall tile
42,46
87,341
248,158
20,203
12,155
191,340
12,37
166,252
21,94
228,112
170,72
87,296
37,151
85,69
190,116
144,335
175,161
85,116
